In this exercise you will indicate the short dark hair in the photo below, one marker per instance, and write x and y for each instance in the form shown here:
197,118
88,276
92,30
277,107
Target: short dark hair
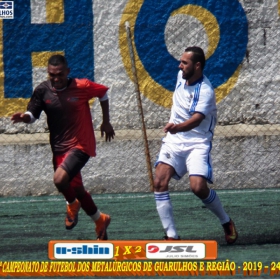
198,55
58,59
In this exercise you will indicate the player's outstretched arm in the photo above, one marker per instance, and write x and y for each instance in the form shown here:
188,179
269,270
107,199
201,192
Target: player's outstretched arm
20,117
106,127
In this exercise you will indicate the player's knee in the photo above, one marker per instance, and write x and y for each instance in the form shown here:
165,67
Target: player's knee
61,179
197,191
60,183
160,185
199,187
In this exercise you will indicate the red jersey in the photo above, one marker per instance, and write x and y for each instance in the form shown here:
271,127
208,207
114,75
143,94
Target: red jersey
68,114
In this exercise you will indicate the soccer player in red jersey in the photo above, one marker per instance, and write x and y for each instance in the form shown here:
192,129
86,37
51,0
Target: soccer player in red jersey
72,140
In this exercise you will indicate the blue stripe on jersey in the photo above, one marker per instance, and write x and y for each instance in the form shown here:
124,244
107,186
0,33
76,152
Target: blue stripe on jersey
162,196
179,85
196,96
210,198
210,126
210,171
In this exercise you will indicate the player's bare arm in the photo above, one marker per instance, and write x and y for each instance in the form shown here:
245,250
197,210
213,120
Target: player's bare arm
187,125
106,127
20,117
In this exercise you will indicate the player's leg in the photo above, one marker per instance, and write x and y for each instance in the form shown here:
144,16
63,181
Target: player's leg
212,202
62,182
83,196
209,197
200,171
101,220
65,166
164,207
68,180
167,166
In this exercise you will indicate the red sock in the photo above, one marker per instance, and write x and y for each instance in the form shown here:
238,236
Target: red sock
69,194
88,204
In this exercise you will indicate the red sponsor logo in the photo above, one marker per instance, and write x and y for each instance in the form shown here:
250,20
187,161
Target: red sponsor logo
153,249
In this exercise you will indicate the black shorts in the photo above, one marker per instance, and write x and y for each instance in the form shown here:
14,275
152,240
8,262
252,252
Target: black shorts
72,162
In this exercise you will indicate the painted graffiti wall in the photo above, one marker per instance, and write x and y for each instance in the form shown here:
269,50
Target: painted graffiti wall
239,38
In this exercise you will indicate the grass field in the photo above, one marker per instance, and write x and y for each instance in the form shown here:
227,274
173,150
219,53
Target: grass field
29,223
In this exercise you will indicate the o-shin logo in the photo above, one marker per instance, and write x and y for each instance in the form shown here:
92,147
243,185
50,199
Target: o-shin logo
175,250
6,9
83,250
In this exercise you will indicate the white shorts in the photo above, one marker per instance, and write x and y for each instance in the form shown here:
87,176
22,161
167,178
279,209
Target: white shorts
194,159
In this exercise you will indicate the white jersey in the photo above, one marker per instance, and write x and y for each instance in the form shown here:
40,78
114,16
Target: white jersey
188,99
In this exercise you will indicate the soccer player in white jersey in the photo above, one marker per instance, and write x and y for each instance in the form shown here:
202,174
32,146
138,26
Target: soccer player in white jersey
188,143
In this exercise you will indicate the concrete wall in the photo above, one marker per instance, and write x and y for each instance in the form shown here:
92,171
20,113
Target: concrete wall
242,160
241,42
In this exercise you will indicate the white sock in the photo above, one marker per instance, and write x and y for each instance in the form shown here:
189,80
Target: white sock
96,216
213,203
71,202
165,212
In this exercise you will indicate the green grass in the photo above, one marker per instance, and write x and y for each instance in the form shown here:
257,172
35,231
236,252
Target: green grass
29,223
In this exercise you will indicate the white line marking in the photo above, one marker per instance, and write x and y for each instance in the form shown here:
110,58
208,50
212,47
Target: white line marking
116,196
